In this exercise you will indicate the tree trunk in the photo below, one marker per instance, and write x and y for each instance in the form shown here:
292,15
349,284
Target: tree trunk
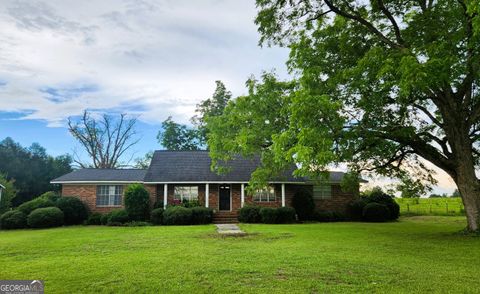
469,189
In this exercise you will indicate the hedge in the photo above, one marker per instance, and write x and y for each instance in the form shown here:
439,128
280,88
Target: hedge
74,210
45,218
249,214
94,219
117,217
156,216
201,215
376,212
177,215
137,202
39,202
13,220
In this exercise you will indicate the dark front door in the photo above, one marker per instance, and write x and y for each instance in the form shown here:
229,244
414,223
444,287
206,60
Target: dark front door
224,195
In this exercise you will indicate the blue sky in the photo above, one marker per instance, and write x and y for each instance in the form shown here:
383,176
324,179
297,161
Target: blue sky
148,58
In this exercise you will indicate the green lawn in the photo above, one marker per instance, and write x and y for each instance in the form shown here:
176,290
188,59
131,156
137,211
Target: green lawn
431,206
416,254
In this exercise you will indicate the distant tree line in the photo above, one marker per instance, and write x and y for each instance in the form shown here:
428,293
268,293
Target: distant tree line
27,171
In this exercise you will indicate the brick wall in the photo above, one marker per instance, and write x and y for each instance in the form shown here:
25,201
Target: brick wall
88,194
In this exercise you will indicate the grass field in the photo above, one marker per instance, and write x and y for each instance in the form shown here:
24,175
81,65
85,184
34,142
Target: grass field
431,206
415,254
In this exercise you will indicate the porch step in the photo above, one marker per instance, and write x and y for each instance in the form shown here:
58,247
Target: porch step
225,217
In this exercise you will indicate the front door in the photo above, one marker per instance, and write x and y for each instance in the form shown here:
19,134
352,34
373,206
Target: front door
224,195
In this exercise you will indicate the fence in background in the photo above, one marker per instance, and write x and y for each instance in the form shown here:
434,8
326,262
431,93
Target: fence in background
431,206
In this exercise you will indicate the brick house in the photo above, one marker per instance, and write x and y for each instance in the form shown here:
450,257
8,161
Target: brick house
179,175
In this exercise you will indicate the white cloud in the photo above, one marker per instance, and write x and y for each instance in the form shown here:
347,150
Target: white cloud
155,58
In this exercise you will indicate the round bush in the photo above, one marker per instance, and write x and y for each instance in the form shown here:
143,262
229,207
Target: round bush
249,214
74,210
158,204
137,202
324,216
201,215
94,219
355,208
376,212
39,202
13,220
389,201
119,216
286,215
47,217
177,215
156,216
269,215
304,205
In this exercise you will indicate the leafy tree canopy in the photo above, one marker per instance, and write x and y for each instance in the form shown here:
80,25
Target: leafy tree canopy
379,85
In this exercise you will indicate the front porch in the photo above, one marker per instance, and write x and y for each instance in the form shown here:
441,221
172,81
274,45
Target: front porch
223,198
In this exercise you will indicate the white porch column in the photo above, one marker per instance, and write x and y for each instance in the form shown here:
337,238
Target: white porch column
242,195
165,195
283,195
207,194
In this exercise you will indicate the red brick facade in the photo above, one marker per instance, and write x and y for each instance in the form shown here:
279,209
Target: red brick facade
338,201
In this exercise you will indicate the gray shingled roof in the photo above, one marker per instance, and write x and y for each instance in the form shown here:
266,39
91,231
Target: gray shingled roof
103,175
194,166
181,166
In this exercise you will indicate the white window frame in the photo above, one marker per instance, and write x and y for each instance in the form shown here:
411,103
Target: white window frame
112,193
265,195
323,191
189,193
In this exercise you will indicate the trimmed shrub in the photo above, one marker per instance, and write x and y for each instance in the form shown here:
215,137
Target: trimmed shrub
47,217
376,212
13,220
158,204
269,215
191,203
355,208
50,195
177,215
304,205
74,210
118,216
389,201
156,216
104,218
137,202
201,215
94,219
39,202
324,216
286,215
249,214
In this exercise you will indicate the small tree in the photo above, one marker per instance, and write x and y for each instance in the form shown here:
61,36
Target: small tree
137,202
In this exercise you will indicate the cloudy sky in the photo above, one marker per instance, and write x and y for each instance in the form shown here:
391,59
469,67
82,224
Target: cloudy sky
146,57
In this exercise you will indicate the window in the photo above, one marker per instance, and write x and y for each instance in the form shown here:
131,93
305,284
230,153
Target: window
264,195
109,195
186,193
322,191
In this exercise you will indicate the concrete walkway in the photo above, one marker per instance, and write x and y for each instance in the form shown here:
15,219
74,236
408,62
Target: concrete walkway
228,229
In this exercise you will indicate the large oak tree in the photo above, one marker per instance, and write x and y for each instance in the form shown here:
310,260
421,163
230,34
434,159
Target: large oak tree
380,84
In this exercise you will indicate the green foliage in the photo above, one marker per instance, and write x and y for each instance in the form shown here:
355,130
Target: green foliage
104,218
156,216
137,202
137,224
177,215
304,205
7,194
286,215
174,136
412,188
376,212
94,219
249,214
32,168
74,210
47,217
201,215
158,204
144,162
209,108
355,208
13,220
387,200
118,216
50,195
38,202
269,215
329,216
